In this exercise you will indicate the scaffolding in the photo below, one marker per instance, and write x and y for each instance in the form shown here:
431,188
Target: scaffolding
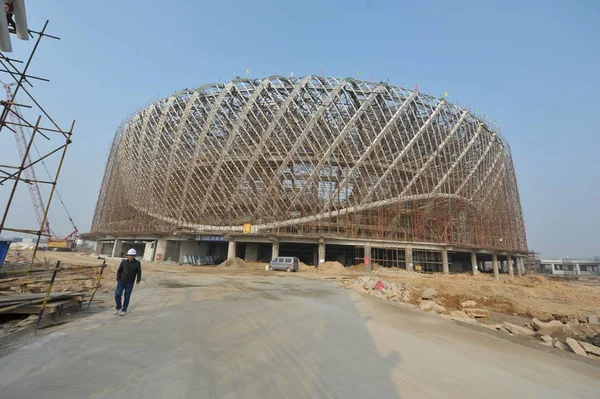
312,156
29,132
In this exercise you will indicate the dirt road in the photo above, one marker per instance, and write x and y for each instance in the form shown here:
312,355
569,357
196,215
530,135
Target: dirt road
278,336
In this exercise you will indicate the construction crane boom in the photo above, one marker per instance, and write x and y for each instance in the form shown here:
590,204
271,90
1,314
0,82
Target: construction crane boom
34,190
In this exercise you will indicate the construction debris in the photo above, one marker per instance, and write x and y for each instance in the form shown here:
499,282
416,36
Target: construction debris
477,313
459,314
47,290
547,339
589,348
518,330
432,305
468,304
558,344
429,294
575,347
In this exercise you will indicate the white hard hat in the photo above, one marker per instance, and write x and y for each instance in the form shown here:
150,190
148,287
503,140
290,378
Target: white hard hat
131,252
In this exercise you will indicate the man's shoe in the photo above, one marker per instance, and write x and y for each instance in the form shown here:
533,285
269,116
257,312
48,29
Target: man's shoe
122,313
117,311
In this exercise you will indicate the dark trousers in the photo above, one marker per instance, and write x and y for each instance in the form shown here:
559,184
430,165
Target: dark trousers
128,287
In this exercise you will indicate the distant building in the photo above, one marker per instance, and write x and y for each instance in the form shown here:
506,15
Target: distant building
570,267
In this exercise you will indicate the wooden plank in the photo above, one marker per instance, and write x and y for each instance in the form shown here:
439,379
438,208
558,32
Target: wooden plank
30,297
51,307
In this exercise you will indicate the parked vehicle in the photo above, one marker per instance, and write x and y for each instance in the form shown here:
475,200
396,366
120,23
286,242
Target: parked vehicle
287,263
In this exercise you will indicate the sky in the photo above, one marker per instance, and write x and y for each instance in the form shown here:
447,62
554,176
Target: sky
533,66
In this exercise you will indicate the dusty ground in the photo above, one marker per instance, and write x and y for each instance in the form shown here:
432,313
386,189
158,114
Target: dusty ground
219,333
529,296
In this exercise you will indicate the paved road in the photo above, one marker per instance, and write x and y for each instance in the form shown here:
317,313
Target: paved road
279,337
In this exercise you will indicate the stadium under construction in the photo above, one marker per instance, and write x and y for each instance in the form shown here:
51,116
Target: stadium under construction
318,168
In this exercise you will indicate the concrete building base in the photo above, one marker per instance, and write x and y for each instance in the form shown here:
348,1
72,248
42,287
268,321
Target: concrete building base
207,248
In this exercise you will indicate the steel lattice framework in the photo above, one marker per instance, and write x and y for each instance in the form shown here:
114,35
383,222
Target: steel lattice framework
312,156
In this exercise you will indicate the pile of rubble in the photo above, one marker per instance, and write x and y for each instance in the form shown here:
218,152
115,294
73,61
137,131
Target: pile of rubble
397,292
581,337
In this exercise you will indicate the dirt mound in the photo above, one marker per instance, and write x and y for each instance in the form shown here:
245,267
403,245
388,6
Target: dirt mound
390,270
256,265
332,267
235,263
363,267
303,267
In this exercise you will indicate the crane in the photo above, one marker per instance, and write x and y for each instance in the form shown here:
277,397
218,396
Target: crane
30,178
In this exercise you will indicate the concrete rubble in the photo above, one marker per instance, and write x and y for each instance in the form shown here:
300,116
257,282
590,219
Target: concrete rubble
547,339
558,344
468,304
459,314
537,325
575,347
429,294
518,330
476,313
573,335
432,305
589,348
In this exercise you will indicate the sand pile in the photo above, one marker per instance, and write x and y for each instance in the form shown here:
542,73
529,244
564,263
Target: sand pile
362,267
256,265
235,263
303,267
331,267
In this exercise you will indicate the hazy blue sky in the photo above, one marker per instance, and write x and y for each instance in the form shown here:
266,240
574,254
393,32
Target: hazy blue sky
531,65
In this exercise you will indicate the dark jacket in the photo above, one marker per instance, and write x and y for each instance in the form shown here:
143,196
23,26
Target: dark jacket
129,270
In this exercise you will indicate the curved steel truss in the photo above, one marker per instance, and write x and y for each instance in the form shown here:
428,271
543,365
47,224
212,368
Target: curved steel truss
312,156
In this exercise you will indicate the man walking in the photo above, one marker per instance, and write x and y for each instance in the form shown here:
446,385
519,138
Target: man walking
129,269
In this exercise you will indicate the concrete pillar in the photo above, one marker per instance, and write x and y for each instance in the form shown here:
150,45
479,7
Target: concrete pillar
98,249
321,252
445,268
409,259
148,251
231,249
161,248
577,270
473,263
511,272
367,258
520,266
117,248
495,266
275,250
